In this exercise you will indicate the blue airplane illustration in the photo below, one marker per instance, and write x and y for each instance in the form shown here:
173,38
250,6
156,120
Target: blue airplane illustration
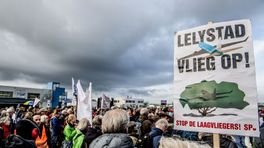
212,50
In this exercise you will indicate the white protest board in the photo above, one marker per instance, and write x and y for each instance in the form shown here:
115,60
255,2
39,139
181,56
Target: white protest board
214,79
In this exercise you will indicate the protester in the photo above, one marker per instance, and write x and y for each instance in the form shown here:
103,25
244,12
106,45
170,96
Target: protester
44,119
114,128
81,129
133,132
69,111
156,132
2,141
5,125
42,111
56,128
69,131
124,128
94,131
131,115
145,123
43,138
25,133
11,112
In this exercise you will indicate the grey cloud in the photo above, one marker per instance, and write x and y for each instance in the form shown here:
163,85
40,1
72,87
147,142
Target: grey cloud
117,44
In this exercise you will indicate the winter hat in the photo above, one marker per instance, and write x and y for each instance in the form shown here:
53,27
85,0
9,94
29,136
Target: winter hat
25,129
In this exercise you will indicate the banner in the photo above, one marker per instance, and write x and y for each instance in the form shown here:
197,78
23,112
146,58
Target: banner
105,103
163,102
214,79
84,107
28,103
36,101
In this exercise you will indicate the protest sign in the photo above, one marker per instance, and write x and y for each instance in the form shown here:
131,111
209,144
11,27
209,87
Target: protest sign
214,79
163,102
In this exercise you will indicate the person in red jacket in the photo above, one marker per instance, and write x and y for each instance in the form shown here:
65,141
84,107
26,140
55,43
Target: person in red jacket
5,123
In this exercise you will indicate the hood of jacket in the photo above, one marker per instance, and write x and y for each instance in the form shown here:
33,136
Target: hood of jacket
113,141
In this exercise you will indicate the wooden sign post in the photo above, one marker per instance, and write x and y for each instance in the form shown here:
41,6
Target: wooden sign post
216,140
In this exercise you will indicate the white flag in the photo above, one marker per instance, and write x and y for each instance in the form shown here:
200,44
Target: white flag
89,101
105,103
36,101
84,109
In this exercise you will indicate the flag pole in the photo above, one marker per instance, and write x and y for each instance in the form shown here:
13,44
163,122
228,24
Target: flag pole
90,102
76,97
74,92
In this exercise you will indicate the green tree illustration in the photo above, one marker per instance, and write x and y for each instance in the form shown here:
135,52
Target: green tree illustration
209,95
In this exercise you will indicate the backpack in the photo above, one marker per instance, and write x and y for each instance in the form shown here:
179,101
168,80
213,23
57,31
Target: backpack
16,141
145,142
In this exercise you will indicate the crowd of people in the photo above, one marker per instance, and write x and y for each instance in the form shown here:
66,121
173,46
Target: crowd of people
116,127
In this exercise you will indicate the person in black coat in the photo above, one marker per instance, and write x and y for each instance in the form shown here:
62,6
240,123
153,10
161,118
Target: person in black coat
95,131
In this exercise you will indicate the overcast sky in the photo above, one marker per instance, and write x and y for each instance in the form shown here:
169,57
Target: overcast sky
122,47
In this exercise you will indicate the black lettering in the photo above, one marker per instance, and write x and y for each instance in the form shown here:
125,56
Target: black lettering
229,32
179,41
219,31
181,65
194,64
240,30
201,35
247,60
211,37
201,64
210,63
236,57
226,61
194,41
187,39
188,66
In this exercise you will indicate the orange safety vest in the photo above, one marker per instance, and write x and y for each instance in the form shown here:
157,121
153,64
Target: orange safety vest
43,141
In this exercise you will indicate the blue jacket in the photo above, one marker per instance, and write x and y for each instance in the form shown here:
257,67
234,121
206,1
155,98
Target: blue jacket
56,126
155,135
262,125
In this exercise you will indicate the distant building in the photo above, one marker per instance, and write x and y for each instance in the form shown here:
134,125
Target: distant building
53,96
59,95
12,95
128,102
